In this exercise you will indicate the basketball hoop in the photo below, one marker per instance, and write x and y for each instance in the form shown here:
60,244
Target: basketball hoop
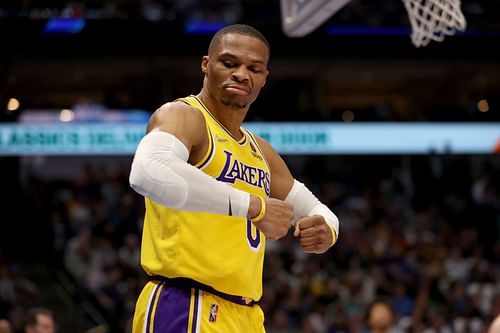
434,19
430,19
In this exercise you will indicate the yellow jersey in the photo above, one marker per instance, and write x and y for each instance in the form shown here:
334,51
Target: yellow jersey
223,252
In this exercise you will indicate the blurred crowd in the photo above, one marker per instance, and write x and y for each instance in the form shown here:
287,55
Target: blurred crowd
418,233
154,10
479,13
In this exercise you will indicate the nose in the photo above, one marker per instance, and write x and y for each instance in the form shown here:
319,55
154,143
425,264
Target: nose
240,74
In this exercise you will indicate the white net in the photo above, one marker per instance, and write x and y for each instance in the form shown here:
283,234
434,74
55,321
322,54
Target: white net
434,19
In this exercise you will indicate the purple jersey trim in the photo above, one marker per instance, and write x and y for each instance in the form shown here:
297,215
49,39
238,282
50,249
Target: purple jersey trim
210,155
151,307
172,311
184,283
195,310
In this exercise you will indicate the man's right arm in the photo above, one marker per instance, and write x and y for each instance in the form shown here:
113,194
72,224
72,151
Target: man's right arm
161,172
160,169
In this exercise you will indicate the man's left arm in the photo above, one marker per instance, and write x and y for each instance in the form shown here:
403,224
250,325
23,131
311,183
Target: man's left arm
315,223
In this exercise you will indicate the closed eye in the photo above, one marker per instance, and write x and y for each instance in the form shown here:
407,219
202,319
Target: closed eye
255,70
228,64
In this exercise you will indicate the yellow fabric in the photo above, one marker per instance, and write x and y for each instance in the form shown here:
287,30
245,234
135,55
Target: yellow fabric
221,251
192,312
230,317
227,317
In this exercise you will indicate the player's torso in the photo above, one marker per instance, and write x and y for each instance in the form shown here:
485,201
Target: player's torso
224,252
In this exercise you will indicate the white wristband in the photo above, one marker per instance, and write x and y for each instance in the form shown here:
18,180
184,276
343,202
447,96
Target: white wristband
305,203
160,172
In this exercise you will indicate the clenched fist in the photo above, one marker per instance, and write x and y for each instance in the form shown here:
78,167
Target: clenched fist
315,234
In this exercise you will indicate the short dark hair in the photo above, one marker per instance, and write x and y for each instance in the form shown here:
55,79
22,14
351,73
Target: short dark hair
241,29
31,317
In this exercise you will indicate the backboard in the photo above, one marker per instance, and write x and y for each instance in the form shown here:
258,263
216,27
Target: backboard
300,17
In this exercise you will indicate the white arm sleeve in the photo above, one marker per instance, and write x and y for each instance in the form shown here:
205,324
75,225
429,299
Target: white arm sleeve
160,172
305,203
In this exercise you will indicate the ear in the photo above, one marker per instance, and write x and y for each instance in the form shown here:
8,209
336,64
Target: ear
204,64
265,80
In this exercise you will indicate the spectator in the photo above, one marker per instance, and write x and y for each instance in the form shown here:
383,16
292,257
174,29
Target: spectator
39,320
5,326
495,325
380,317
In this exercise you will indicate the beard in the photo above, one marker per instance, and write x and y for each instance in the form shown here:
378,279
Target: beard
232,103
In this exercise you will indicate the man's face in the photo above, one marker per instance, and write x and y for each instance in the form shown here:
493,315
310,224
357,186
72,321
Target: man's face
236,69
44,324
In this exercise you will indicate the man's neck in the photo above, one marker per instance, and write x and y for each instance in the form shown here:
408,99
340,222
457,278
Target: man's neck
229,117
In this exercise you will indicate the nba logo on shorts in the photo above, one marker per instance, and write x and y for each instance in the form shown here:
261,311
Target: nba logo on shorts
214,310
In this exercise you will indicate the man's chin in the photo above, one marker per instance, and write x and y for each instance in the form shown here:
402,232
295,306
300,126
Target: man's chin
234,104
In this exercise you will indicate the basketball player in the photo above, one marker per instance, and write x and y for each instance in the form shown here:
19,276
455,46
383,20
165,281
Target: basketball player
214,193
